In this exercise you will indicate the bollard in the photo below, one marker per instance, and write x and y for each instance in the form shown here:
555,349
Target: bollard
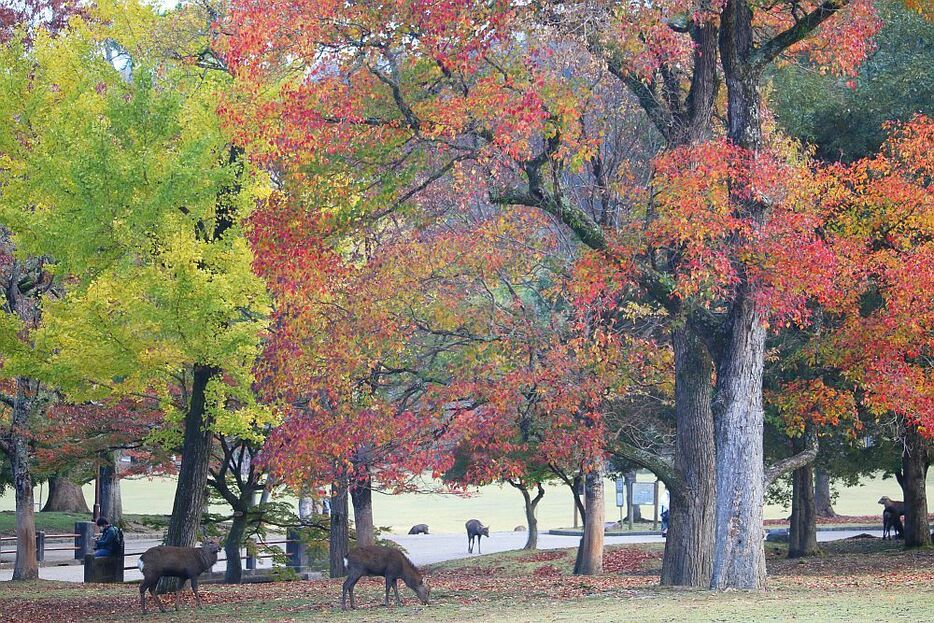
40,546
295,550
84,539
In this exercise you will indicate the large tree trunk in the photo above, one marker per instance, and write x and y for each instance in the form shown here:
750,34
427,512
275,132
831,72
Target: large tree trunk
191,490
802,539
338,542
823,505
26,566
361,494
65,496
688,559
110,499
590,553
739,552
913,481
234,572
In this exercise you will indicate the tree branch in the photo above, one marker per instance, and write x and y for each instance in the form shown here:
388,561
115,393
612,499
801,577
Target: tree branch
658,465
768,51
793,462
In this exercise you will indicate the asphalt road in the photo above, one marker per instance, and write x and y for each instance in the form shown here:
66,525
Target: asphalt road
422,549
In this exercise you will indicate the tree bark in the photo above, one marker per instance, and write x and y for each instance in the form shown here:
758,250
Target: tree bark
531,506
191,490
688,559
913,481
823,505
802,537
338,543
110,498
590,553
234,572
26,566
65,496
739,552
361,495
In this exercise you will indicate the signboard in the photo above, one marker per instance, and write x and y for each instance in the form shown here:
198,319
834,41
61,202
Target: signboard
620,486
643,493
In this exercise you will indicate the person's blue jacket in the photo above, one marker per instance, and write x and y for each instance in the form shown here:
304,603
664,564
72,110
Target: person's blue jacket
107,543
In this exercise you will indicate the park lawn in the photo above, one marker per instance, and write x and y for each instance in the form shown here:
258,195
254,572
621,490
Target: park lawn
64,523
854,580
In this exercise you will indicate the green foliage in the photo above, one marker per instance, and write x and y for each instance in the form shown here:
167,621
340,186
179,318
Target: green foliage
130,186
844,120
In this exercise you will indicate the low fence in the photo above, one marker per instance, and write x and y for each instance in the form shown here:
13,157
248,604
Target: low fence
82,541
112,569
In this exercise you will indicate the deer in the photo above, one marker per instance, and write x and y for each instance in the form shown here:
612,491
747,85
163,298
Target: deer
892,512
390,563
475,529
891,522
168,561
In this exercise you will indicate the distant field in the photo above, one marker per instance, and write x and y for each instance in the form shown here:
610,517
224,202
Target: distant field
500,507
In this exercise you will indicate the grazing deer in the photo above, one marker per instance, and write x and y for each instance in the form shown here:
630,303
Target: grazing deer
475,529
376,560
167,561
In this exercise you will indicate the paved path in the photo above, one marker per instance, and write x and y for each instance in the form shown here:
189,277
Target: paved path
422,549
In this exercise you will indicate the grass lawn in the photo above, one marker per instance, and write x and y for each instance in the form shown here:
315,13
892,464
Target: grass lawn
64,523
856,580
499,507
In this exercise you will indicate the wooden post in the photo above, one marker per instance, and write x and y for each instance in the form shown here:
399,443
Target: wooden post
655,520
296,551
84,539
629,502
40,546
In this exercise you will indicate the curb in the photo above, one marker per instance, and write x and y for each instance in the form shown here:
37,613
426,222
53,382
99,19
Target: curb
775,530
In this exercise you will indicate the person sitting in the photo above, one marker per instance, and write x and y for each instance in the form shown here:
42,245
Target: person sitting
106,545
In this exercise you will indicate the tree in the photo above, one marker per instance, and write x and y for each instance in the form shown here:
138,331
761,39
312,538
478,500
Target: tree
368,96
161,300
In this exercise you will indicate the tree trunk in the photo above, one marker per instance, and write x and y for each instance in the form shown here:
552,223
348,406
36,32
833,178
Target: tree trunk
629,478
191,490
26,566
914,477
739,552
338,544
590,553
688,559
822,502
802,537
65,496
234,571
110,499
531,506
361,495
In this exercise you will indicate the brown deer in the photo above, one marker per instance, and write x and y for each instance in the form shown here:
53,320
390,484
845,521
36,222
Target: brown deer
376,560
186,563
475,529
892,513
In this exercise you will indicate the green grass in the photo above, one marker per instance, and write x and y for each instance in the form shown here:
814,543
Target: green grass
856,580
500,507
64,523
